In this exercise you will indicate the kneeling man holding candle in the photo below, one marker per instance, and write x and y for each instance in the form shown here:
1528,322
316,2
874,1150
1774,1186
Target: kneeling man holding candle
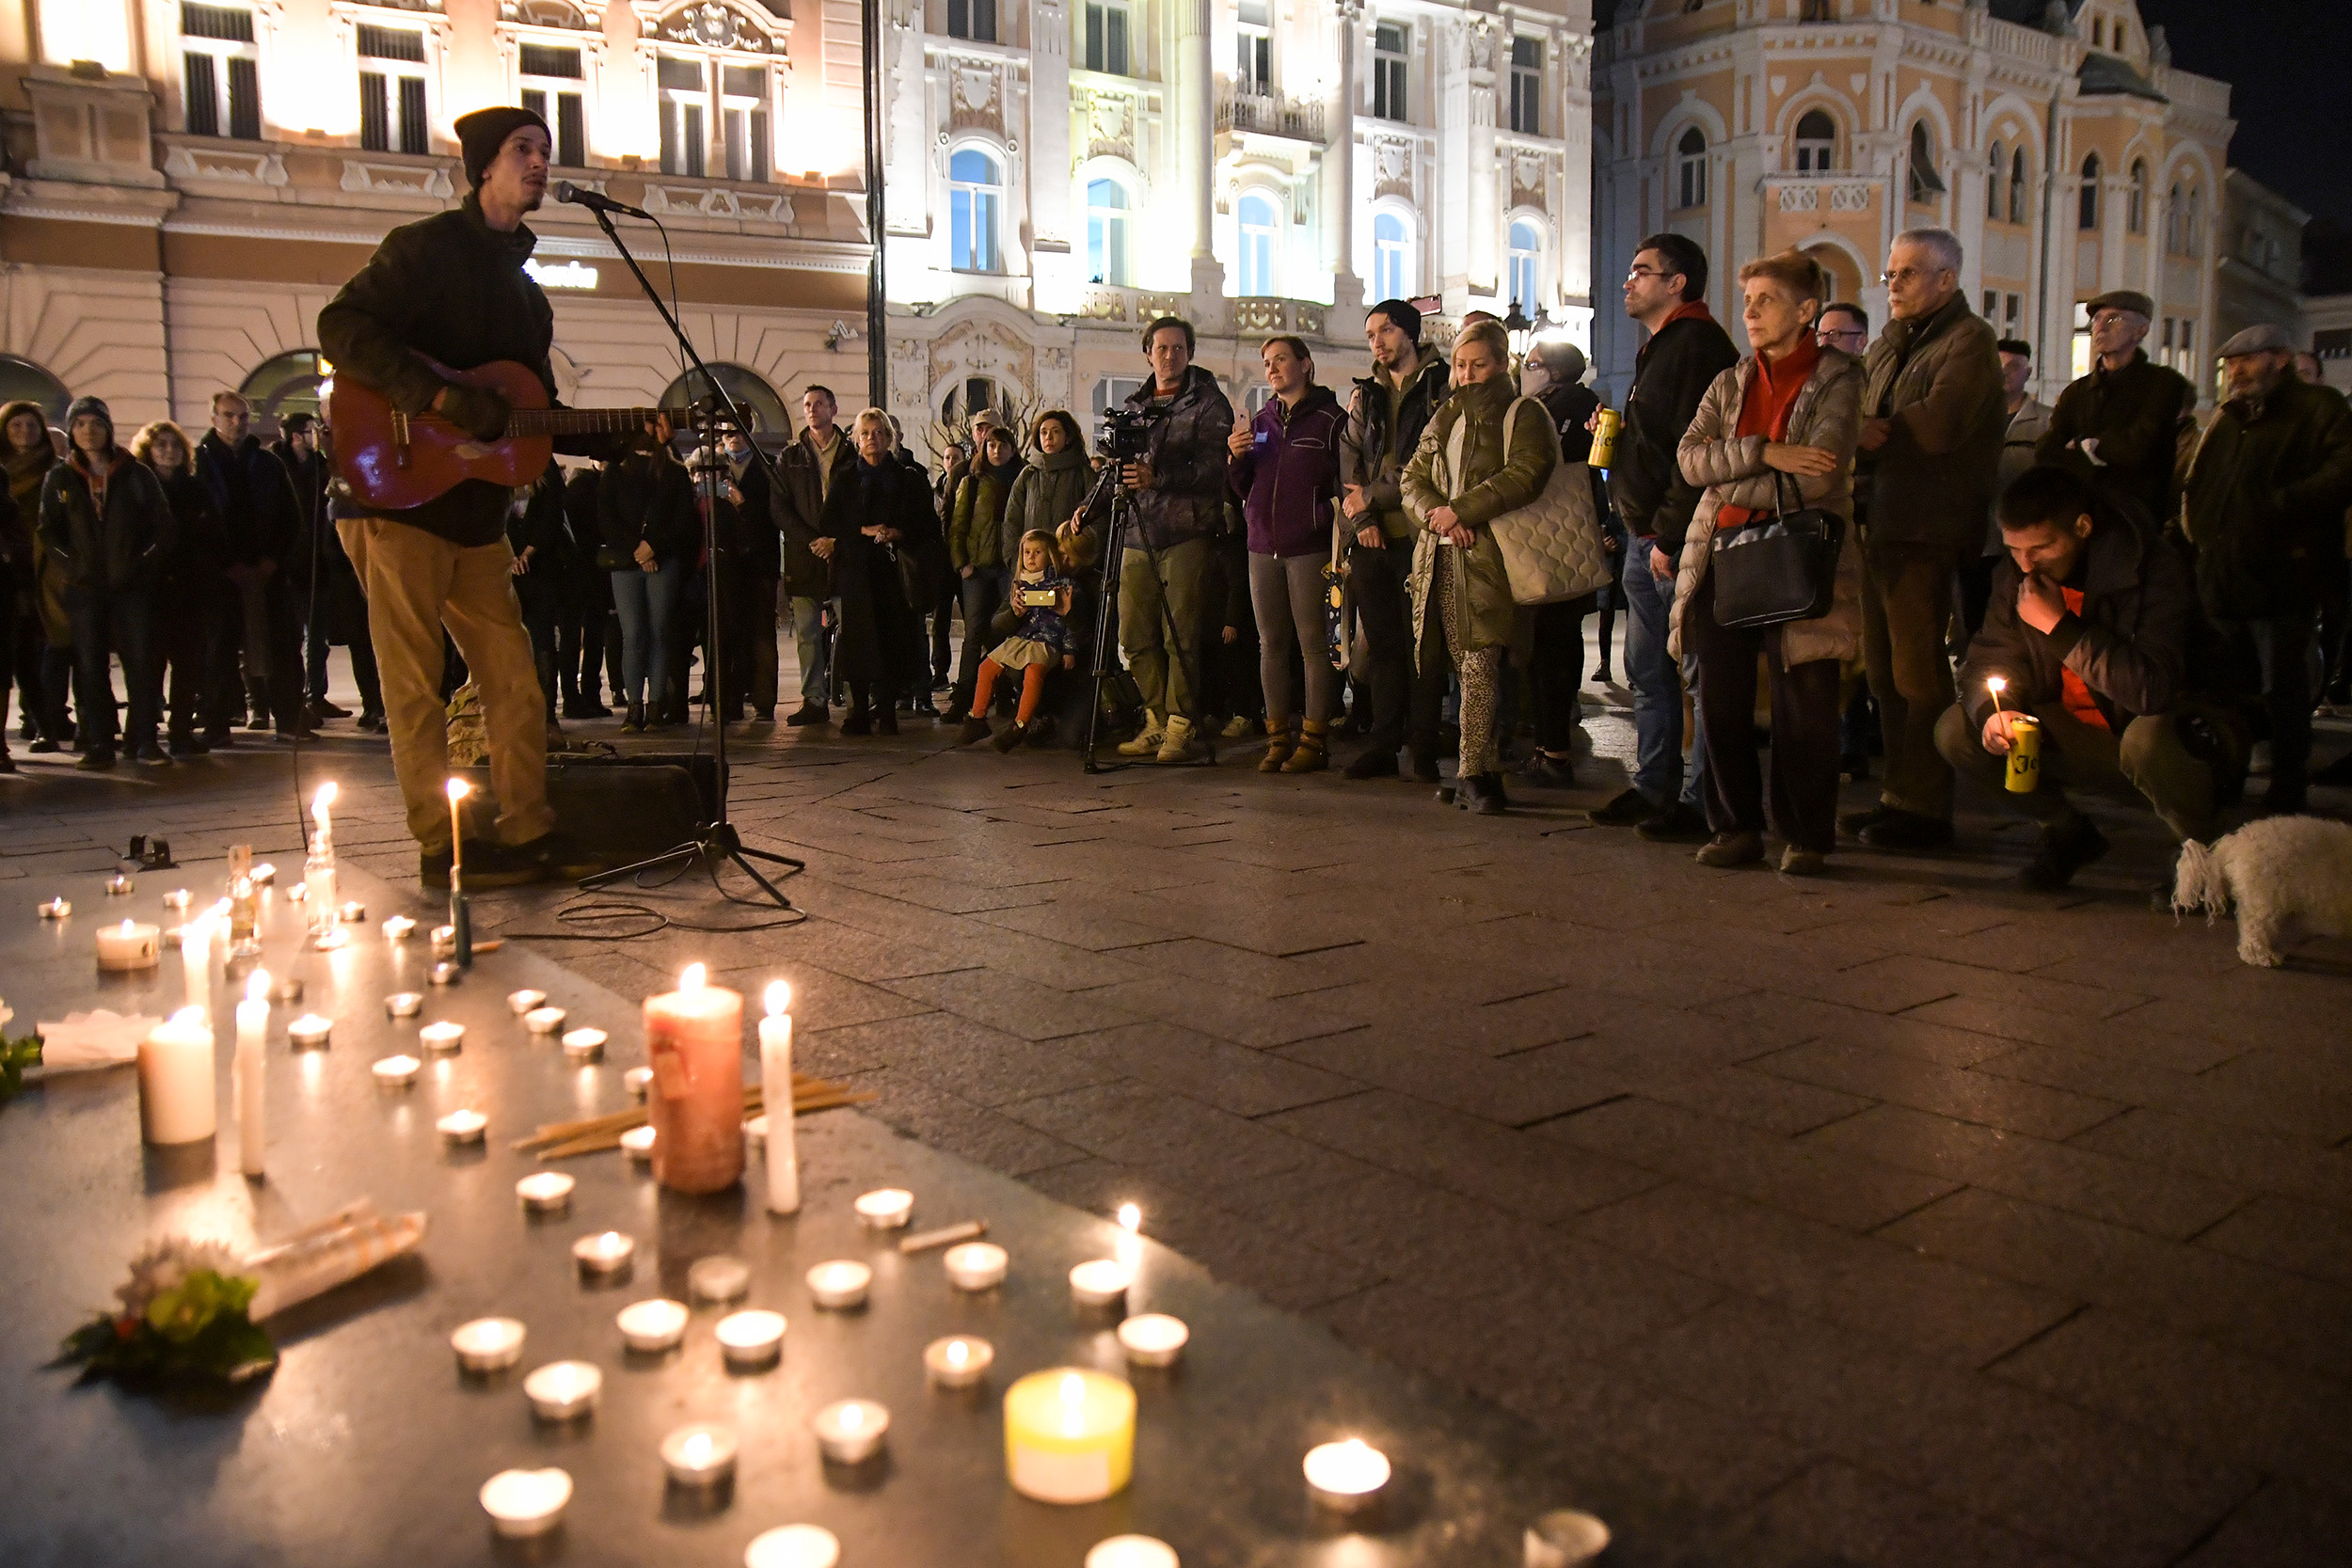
2086,640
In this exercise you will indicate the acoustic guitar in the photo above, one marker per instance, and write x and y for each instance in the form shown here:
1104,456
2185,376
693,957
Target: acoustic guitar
388,459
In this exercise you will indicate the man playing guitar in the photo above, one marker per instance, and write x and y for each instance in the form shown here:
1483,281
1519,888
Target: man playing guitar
449,291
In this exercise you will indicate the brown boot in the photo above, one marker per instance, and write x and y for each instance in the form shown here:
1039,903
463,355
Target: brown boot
1311,756
1278,748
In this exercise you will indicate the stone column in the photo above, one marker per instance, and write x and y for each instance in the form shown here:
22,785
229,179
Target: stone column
1482,43
1339,173
1196,106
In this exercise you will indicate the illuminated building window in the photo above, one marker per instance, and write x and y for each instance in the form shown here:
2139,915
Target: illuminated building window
1107,36
1253,50
1392,41
1527,253
220,72
972,19
1691,168
1527,86
392,90
1393,274
551,89
1260,228
1106,233
973,189
743,119
1816,143
2089,217
684,87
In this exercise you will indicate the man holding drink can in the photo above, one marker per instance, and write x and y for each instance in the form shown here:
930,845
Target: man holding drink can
2074,678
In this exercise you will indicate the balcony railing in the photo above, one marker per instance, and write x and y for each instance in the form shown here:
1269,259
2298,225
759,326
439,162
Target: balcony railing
1302,316
1269,115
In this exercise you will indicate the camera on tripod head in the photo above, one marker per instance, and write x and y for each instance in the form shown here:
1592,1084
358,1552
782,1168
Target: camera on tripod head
1124,433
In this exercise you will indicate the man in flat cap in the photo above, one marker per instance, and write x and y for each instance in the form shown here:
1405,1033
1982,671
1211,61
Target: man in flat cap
2264,505
2119,426
451,288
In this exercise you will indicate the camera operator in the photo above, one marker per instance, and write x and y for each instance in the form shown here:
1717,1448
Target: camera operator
1177,491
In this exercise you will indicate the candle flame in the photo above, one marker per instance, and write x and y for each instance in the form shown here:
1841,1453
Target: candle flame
188,1018
127,928
1073,1389
458,790
957,1352
779,998
1996,683
1130,1217
852,1417
323,799
692,981
698,1448
257,986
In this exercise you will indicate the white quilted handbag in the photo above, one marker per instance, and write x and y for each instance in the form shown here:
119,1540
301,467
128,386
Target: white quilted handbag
1552,547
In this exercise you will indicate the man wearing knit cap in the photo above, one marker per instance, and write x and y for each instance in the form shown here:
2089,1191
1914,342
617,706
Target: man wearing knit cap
451,289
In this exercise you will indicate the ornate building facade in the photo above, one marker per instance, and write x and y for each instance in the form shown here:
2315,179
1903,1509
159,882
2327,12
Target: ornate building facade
2056,137
187,184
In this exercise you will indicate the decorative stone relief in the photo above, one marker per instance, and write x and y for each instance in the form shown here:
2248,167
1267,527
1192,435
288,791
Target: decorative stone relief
585,17
1111,126
396,179
975,102
1528,187
714,26
973,348
1391,167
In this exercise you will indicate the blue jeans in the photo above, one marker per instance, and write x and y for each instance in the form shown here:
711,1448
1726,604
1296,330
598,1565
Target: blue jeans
646,601
813,648
984,592
1657,684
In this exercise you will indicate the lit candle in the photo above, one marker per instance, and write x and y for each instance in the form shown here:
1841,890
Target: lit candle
55,908
695,1044
848,1431
583,1046
245,1075
265,874
564,1390
756,1131
637,1143
650,1327
318,873
975,1265
128,947
353,912
1069,1435
718,1278
523,1001
195,958
885,1209
750,1338
287,988
544,1021
396,1072
462,1127
701,1456
1131,1551
545,1191
839,1285
403,1004
523,1503
1995,684
441,1037
177,899
1347,1477
172,938
176,1097
444,941
1100,1283
1153,1340
958,1361
398,927
119,884
310,1032
487,1345
793,1547
606,1252
636,1079
444,974
460,917
299,894
1565,1538
776,1080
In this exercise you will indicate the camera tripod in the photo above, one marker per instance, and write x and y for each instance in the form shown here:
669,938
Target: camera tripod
1114,561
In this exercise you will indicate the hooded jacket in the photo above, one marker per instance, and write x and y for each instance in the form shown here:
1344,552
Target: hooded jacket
1186,499
1048,492
1670,375
1937,382
1375,448
118,543
2266,498
1289,477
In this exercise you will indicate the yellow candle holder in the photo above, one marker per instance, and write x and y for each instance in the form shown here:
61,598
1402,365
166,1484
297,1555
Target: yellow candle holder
1069,1435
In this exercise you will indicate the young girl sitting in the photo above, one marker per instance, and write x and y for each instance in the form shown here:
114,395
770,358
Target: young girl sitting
1037,619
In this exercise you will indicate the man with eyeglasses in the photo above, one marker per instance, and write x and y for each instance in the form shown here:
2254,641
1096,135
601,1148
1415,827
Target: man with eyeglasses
2119,428
1930,446
1844,326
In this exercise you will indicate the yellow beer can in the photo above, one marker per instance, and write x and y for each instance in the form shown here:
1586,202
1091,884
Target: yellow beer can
2025,755
1605,428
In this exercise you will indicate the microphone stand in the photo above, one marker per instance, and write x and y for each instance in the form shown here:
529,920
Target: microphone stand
718,840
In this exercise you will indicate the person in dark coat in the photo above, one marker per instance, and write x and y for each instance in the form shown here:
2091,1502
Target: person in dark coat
104,519
761,576
260,517
327,594
41,655
876,516
1557,664
817,459
2119,426
649,536
190,584
541,538
588,637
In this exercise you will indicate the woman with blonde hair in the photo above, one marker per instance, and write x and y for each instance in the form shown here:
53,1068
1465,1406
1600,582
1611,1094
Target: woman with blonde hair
1474,463
1774,431
190,590
877,511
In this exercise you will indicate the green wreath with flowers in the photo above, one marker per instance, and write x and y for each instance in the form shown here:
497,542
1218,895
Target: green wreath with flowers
184,1318
15,1056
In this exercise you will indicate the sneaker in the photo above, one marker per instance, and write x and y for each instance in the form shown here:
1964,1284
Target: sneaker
560,857
152,755
807,714
1545,771
188,746
1908,830
497,865
1631,808
1803,862
1238,726
1725,850
923,707
2064,852
96,761
1149,740
1677,824
974,730
1376,763
1182,743
44,747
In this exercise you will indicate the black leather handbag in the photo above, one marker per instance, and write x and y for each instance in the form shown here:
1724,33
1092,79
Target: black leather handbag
1783,568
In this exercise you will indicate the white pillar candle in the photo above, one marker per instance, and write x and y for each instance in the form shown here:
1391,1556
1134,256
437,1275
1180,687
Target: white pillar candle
1346,1477
444,940
775,1082
402,1003
442,1038
958,1361
311,1032
1153,1340
196,957
701,1456
583,1046
793,1547
129,946
523,1503
975,1265
487,1345
750,1338
718,1278
1100,1283
544,1021
848,1431
564,1390
1131,1551
246,1074
650,1327
523,1001
885,1209
176,1095
839,1285
1565,1538
545,1191
396,1072
606,1252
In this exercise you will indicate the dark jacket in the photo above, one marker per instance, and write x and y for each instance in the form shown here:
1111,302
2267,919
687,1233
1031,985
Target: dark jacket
1670,375
1049,490
1938,383
324,583
1570,404
1186,499
192,568
1373,455
763,547
2130,643
16,549
127,546
2134,416
877,640
976,528
1290,475
449,289
261,518
2266,498
799,510
582,518
646,496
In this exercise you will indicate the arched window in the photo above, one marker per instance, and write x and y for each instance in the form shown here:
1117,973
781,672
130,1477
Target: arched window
2018,187
22,379
1527,256
973,185
1393,275
1816,143
1925,183
2089,218
1106,233
2136,198
1691,168
976,394
762,409
1993,208
1261,230
281,384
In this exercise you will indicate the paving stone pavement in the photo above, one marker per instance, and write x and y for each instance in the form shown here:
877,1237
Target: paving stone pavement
1929,1222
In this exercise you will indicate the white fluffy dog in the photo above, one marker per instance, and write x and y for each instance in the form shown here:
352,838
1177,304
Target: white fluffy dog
2282,872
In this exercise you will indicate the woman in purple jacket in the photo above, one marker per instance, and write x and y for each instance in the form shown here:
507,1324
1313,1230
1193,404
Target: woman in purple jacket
1285,467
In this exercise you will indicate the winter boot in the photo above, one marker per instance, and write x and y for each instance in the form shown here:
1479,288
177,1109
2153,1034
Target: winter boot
1312,756
1278,745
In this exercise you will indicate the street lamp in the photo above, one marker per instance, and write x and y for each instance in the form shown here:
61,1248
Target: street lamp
1519,328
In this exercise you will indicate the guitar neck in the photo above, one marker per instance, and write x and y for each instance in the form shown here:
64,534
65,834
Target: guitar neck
583,421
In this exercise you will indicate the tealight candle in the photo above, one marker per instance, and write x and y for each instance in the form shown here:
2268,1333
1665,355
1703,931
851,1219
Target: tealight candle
650,1327
564,1390
1346,1477
285,989
178,898
750,1338
462,1127
1565,1538
444,940
544,1021
172,937
793,1547
444,974
848,1431
403,1004
975,1265
718,1278
441,1037
1100,1283
398,927
523,1001
119,884
1153,1340
487,1345
756,1131
129,946
839,1285
545,1191
699,1455
1069,1435
309,1031
523,1503
55,908
958,1361
265,874
1131,1551
299,894
352,913
606,1252
635,1080
637,1143
886,1209
396,1072
583,1046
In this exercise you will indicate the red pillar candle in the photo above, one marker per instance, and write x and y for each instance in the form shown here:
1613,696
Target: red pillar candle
694,1046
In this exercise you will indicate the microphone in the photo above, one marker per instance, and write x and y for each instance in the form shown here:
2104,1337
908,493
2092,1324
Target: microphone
596,201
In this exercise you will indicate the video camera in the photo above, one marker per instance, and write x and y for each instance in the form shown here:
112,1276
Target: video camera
1124,433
